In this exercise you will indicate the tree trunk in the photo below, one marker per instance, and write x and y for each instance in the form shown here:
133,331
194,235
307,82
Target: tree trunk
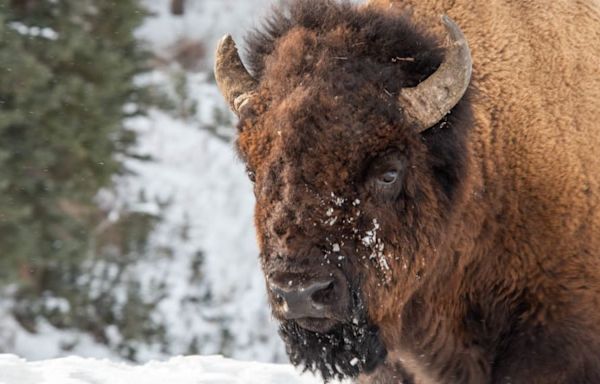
178,7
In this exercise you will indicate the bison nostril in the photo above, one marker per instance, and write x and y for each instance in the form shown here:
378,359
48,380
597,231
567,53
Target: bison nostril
325,295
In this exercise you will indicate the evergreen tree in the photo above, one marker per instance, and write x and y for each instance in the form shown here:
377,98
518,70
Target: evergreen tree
67,84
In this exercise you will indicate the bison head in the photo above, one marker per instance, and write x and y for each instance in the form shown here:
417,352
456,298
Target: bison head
356,162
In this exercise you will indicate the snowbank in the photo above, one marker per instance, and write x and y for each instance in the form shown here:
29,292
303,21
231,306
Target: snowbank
178,370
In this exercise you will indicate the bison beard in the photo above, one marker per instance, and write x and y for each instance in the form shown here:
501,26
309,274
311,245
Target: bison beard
346,350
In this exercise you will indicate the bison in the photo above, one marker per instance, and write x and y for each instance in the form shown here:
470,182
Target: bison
427,190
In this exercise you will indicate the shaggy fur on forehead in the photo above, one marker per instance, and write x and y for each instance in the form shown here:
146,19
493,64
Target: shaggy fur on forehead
310,50
385,48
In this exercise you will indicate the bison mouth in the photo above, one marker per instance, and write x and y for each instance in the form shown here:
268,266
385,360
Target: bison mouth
316,324
334,349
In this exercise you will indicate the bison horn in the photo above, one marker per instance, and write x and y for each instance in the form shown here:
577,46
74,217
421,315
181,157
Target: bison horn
234,81
427,103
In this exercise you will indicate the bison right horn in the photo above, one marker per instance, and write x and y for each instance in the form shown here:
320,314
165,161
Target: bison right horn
233,80
427,103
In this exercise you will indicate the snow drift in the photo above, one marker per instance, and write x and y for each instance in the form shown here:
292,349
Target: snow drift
179,370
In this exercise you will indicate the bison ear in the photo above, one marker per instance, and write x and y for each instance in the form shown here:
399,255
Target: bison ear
427,103
235,83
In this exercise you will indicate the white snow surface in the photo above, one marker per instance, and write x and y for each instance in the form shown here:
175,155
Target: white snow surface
179,370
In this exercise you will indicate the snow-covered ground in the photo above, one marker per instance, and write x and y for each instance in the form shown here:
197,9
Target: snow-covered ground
178,370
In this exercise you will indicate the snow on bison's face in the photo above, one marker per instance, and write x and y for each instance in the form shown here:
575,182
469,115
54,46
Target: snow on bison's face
355,167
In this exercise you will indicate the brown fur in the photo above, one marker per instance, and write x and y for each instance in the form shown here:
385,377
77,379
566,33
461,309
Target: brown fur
493,243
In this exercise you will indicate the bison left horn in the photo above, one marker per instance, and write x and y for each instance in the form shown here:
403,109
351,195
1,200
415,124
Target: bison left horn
427,103
234,81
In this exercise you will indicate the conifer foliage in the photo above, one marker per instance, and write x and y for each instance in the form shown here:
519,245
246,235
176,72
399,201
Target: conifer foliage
67,84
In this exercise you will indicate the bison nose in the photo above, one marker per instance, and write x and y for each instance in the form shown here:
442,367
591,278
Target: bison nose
311,299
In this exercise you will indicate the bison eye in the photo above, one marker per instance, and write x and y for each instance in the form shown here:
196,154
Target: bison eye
389,177
251,175
386,175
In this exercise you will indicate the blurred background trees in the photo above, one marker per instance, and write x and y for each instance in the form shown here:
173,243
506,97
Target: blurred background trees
67,85
125,218
178,7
